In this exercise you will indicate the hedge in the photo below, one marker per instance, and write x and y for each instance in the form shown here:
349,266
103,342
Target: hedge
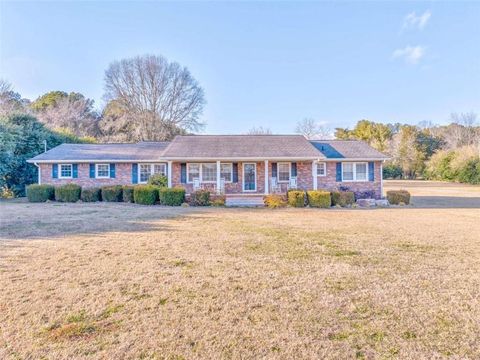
396,197
200,198
68,193
172,196
145,194
90,195
296,198
112,193
319,198
127,193
274,201
40,193
343,198
218,200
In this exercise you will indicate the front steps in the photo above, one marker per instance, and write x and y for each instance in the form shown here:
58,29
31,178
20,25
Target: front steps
244,201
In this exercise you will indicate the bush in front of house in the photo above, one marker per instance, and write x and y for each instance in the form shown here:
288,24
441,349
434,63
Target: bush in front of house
127,193
218,200
200,198
68,193
40,193
396,197
319,199
158,180
296,198
343,198
112,193
274,201
172,196
145,194
91,195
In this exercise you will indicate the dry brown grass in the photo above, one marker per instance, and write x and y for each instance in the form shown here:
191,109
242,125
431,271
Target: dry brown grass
123,281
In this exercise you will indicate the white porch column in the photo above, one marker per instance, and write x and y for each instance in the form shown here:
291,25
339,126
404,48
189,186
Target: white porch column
314,174
169,174
266,177
218,177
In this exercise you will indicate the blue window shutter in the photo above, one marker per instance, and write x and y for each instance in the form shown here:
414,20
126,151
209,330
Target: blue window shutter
75,171
55,171
183,173
112,171
235,172
134,173
294,169
371,171
274,170
339,172
92,171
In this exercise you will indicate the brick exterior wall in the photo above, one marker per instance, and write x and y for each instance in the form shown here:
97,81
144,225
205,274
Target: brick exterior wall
123,176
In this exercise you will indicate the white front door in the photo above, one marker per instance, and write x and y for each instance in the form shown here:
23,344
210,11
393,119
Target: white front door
249,177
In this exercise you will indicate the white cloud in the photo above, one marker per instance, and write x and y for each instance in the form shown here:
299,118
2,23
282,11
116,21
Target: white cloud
414,21
411,54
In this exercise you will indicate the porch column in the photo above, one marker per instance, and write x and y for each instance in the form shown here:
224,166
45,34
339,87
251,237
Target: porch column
314,174
218,177
169,174
266,177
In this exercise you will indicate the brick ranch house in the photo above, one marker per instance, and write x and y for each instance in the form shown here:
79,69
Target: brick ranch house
232,164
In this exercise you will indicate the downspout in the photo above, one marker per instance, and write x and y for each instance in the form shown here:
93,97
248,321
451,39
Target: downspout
39,173
381,179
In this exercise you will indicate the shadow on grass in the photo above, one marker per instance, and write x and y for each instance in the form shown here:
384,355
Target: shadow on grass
445,202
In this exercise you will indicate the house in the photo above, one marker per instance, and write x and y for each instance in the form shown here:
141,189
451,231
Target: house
232,164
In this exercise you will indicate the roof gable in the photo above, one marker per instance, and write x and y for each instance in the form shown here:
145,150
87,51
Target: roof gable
347,149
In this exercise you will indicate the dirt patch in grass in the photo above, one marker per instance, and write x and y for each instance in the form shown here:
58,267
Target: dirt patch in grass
147,282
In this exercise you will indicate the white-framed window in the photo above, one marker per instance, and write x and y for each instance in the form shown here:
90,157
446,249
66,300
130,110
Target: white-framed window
147,170
209,172
193,172
226,171
66,171
102,171
321,169
283,170
357,171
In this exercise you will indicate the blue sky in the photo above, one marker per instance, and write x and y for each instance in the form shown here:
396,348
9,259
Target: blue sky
261,63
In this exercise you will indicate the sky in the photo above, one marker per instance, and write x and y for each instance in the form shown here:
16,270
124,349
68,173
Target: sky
266,64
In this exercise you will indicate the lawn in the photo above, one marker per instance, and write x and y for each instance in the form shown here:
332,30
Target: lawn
125,281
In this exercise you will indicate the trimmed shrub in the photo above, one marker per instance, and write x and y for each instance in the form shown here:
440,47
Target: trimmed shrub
40,193
319,199
218,200
274,201
68,193
90,195
296,198
145,194
200,198
343,198
367,194
172,196
112,193
158,180
396,197
127,193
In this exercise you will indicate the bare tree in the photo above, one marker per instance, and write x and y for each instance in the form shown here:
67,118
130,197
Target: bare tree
10,101
259,131
157,98
311,129
462,130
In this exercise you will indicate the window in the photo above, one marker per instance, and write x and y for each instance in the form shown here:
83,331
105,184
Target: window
354,171
321,169
209,172
102,171
65,171
283,172
147,170
226,172
193,171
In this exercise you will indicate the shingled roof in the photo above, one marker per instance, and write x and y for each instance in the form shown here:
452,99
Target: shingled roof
347,149
143,151
241,147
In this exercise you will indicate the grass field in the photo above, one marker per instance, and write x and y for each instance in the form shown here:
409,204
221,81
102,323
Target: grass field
119,281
